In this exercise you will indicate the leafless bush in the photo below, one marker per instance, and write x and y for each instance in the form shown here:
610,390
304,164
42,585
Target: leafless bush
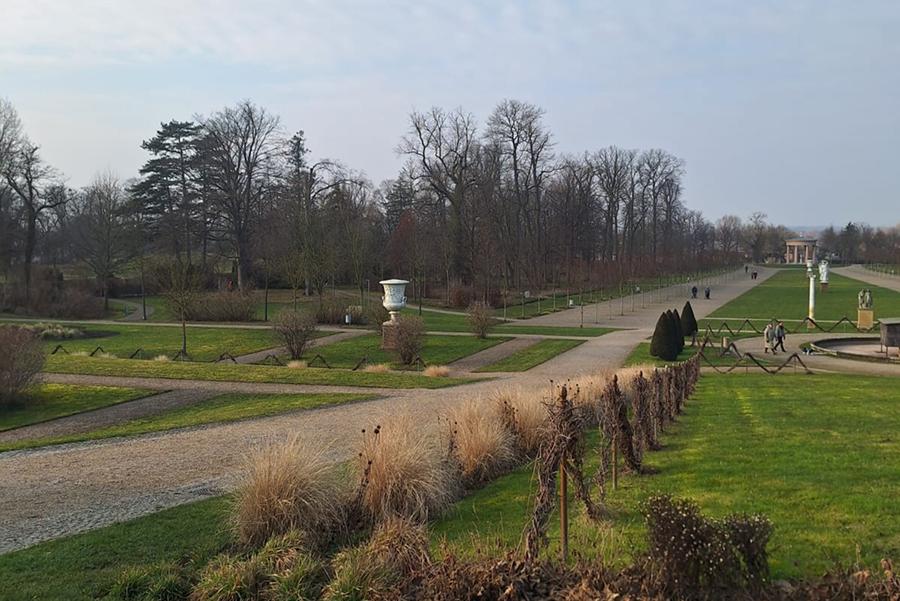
481,443
480,319
403,472
21,360
289,486
296,329
410,332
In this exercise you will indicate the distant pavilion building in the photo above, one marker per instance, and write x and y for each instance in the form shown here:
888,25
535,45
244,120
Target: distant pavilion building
800,250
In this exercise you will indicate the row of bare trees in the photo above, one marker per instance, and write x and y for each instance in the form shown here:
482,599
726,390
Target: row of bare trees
487,207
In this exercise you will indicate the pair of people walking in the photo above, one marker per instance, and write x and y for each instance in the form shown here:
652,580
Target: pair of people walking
774,336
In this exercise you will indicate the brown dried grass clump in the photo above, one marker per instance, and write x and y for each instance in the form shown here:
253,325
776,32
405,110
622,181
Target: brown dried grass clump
437,371
402,544
403,472
525,415
297,364
380,368
482,444
289,486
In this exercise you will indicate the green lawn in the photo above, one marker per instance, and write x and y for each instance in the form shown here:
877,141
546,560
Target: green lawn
50,401
785,296
229,372
526,358
818,454
221,408
437,350
83,566
204,343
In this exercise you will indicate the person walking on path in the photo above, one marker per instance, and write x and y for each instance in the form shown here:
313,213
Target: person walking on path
779,337
768,337
694,292
706,293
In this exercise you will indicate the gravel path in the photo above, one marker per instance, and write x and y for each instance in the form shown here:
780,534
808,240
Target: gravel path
50,492
109,416
858,272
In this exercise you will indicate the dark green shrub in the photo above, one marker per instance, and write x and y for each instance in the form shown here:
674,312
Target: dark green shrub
222,306
679,337
659,342
688,321
749,535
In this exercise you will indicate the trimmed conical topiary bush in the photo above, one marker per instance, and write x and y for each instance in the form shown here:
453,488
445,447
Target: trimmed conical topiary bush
688,321
664,343
679,338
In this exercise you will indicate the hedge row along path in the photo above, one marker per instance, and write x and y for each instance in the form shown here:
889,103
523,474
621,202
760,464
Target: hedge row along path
54,491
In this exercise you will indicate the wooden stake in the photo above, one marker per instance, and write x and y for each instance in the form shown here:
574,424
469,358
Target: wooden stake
615,463
564,509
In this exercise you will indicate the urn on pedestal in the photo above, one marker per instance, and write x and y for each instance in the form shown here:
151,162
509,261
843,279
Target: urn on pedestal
394,300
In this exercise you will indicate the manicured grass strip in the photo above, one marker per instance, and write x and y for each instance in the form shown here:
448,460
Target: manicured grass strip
229,372
438,321
786,296
204,343
222,408
83,567
526,358
437,350
50,401
818,454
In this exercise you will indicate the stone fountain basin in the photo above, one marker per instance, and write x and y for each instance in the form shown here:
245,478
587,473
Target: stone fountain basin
862,348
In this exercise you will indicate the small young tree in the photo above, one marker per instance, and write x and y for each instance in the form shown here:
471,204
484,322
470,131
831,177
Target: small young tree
480,319
21,360
688,321
296,329
180,285
410,338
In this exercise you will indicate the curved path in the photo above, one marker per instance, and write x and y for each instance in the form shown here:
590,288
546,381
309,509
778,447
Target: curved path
53,491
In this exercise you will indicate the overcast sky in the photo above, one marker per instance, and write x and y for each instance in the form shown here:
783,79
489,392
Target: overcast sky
791,108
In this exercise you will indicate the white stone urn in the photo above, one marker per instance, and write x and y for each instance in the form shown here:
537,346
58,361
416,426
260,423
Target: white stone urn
394,299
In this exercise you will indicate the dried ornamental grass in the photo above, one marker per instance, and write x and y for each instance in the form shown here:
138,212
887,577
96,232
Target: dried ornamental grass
297,364
379,368
288,486
525,415
437,371
403,472
482,444
162,358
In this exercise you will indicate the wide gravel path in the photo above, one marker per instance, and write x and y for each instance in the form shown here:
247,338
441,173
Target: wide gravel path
54,491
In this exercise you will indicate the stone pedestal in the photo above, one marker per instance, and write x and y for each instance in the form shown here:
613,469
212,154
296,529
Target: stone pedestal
823,286
865,319
389,336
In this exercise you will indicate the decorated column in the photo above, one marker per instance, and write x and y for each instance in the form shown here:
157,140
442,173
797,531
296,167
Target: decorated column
811,273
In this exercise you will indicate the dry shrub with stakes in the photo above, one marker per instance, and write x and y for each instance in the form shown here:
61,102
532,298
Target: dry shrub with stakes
289,486
480,319
481,443
21,361
563,448
615,425
296,329
410,337
523,414
403,472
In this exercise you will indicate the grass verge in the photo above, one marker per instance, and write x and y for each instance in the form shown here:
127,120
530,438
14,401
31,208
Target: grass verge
224,372
50,401
219,409
437,350
84,566
526,358
818,454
